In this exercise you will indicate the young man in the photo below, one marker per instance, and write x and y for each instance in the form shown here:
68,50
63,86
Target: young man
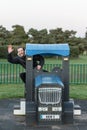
38,60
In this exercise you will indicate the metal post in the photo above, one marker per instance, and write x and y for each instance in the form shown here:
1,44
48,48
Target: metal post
29,79
65,75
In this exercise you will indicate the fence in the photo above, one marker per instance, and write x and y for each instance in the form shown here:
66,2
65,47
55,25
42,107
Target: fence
9,73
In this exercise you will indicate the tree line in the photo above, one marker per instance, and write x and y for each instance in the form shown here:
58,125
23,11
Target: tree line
18,36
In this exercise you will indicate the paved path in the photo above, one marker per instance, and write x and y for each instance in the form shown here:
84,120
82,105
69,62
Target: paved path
10,122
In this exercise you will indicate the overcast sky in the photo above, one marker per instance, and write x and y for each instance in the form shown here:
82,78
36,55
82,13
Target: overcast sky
49,14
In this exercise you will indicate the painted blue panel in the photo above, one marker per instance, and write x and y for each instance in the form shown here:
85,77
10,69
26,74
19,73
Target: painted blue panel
48,79
47,49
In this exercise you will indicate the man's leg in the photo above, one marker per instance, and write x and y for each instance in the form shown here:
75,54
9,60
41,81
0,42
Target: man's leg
23,77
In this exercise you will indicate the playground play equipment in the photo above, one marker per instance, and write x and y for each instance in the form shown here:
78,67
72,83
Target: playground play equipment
47,93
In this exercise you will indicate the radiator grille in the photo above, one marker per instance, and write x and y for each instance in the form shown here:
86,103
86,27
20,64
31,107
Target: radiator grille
49,95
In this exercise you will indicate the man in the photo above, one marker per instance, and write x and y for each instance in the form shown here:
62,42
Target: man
38,60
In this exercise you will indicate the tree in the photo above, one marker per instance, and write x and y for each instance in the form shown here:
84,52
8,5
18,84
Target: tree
43,36
56,35
33,35
60,36
4,35
19,36
38,36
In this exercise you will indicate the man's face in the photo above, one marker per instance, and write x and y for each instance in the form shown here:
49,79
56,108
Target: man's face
21,52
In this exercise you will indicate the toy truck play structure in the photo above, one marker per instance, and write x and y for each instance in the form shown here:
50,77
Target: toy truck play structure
47,93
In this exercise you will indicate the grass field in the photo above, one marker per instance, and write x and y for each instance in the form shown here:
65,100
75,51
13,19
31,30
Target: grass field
11,91
80,60
17,91
78,91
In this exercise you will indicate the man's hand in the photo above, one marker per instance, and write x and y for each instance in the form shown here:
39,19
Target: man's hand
10,49
38,67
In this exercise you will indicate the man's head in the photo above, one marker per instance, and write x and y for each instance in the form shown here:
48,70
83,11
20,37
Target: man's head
20,51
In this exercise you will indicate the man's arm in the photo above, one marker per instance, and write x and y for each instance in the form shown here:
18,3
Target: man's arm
10,58
16,60
41,60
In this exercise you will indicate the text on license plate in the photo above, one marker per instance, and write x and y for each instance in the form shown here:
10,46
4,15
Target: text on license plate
49,116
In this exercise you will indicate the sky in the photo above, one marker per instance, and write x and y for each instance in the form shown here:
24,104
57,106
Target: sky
41,14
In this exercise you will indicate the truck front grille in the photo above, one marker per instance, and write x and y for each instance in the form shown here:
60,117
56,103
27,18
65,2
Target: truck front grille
49,95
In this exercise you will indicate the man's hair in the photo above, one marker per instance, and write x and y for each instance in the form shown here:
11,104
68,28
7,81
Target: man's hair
20,47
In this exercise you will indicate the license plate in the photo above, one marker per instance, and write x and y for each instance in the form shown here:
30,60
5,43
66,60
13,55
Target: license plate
49,116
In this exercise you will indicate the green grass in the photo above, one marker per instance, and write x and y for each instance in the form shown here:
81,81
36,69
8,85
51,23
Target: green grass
78,91
17,91
11,91
80,60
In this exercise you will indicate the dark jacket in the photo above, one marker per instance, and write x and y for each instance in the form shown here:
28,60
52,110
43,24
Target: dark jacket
37,60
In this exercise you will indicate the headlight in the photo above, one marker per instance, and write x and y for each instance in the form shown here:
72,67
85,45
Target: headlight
56,108
42,108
